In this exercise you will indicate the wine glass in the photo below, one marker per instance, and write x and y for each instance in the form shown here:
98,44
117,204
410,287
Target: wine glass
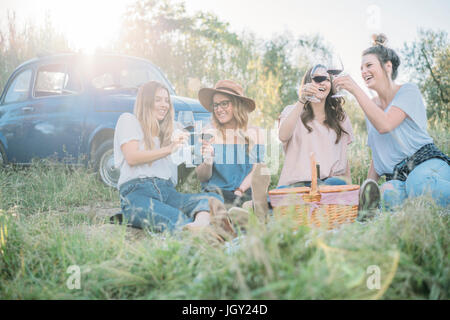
336,68
186,118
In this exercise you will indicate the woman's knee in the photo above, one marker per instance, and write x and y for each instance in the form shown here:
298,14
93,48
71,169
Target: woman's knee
393,193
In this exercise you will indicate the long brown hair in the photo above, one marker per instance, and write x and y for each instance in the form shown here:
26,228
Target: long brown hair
144,112
334,114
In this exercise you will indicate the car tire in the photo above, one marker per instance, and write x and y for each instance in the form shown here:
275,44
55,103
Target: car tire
104,164
3,160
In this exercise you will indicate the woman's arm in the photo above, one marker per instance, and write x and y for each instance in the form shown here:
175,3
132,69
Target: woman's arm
246,183
204,170
383,122
288,125
133,156
372,174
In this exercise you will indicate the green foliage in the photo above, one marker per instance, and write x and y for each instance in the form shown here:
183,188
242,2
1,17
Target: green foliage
428,57
410,246
18,45
50,229
197,50
187,47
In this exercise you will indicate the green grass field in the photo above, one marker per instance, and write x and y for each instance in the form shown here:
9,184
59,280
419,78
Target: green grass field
52,218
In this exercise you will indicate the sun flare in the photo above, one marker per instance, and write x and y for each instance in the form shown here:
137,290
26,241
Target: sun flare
88,25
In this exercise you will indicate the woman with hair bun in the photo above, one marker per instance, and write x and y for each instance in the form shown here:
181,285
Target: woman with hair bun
402,149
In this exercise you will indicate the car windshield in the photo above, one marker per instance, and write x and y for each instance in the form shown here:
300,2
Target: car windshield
116,75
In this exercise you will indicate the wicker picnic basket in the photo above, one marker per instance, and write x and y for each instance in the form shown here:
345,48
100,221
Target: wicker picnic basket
323,206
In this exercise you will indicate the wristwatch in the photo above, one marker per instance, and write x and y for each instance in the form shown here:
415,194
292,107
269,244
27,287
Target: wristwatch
239,189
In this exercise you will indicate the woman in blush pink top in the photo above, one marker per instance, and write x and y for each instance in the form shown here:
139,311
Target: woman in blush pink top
320,127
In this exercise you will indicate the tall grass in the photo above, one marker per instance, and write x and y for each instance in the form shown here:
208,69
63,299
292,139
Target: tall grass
48,230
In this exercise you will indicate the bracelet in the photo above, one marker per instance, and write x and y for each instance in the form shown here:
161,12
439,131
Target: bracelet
239,189
302,102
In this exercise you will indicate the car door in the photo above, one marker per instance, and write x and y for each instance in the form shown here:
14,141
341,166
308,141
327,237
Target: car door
15,102
54,122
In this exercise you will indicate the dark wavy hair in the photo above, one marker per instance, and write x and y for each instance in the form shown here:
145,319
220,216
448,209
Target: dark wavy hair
334,114
383,53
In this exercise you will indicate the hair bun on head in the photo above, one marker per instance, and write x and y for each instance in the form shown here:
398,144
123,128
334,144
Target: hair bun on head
379,39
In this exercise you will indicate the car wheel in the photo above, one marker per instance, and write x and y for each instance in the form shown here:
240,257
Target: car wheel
2,156
104,164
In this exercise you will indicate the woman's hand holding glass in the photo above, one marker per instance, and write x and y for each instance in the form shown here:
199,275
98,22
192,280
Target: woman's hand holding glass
207,150
179,139
345,82
308,92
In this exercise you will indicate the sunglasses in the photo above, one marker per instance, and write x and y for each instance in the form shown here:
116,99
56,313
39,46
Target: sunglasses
319,79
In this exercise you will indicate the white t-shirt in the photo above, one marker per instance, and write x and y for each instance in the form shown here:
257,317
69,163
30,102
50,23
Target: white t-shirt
128,128
410,135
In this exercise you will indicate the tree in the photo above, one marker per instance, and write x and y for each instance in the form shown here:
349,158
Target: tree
186,47
429,59
19,45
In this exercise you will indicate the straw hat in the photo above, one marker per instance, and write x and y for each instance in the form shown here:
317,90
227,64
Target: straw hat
205,95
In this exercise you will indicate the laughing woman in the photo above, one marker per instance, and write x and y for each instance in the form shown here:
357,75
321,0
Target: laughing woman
321,127
402,149
143,144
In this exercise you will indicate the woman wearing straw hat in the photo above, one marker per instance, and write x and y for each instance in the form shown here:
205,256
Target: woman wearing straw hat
230,158
143,144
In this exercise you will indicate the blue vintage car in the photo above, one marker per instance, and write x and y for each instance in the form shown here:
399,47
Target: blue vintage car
66,107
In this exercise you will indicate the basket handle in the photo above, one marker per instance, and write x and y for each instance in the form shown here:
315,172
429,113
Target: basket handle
314,189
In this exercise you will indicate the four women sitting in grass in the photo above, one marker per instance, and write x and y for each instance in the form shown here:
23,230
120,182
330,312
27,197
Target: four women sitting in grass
231,169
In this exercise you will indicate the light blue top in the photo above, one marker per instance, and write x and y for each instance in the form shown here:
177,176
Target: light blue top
390,148
232,164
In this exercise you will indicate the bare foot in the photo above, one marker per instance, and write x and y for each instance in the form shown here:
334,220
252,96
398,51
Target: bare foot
202,220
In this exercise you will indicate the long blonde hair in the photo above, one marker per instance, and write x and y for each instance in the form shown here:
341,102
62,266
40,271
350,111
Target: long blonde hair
144,112
240,114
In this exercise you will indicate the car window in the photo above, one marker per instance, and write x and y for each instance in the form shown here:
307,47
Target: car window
108,77
19,88
55,80
103,81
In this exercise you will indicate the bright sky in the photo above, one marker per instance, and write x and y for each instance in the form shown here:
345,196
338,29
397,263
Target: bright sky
345,24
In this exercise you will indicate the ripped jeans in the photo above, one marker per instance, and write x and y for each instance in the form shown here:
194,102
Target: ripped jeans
430,177
154,203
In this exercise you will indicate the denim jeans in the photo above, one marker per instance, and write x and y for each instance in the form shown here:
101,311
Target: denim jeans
154,203
431,176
